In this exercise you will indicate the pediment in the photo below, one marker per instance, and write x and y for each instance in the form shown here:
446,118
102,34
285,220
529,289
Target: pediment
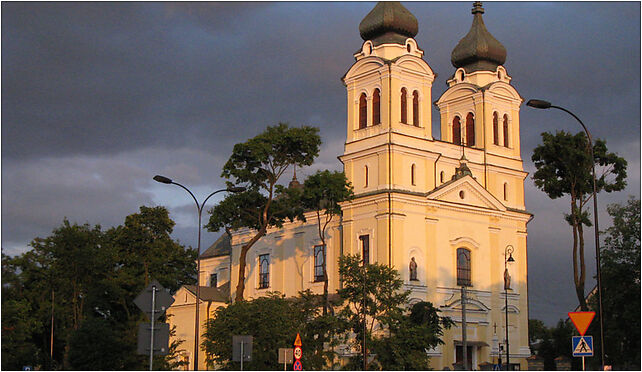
466,191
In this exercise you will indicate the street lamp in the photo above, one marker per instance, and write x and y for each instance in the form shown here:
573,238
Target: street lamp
540,104
508,257
199,208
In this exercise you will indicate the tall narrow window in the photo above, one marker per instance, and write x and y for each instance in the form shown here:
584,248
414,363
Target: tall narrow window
376,107
415,108
456,131
213,280
363,111
463,267
505,191
495,129
412,174
470,129
318,263
264,271
365,248
365,175
441,176
404,106
506,135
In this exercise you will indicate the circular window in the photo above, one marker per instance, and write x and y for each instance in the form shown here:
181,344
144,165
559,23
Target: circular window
461,194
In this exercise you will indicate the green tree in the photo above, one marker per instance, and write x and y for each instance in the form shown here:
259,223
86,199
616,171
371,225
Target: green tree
322,193
258,164
273,321
564,166
620,268
401,337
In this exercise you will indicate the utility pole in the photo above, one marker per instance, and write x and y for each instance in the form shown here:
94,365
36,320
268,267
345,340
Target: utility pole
464,342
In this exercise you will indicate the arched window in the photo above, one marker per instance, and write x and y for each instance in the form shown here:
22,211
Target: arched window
363,111
366,176
441,176
506,135
470,129
376,107
415,108
506,191
495,129
264,271
456,131
318,263
404,106
412,174
463,267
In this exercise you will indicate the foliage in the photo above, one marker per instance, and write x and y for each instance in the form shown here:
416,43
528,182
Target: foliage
258,164
620,264
273,321
322,193
398,337
550,343
90,279
564,167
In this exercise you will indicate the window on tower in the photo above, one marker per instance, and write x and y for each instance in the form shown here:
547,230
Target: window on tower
318,263
264,271
415,108
376,107
412,174
495,129
506,136
363,111
463,267
470,129
404,106
456,131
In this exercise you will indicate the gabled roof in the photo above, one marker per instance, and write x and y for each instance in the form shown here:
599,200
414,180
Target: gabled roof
220,294
221,247
474,194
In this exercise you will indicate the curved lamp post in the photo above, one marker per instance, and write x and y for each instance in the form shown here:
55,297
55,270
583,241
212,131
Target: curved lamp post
540,104
199,208
508,257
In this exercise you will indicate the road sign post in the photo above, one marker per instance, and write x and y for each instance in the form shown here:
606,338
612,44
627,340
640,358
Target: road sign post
241,349
286,356
156,296
298,353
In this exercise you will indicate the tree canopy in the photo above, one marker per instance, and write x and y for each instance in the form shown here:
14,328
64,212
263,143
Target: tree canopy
258,165
564,167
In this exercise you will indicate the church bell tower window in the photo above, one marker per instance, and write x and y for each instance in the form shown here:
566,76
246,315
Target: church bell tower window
363,111
505,130
495,129
456,131
404,106
470,130
376,107
415,108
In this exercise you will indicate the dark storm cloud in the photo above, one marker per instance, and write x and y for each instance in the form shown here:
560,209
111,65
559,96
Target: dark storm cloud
99,97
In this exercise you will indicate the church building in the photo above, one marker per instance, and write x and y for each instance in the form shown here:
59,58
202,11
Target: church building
446,211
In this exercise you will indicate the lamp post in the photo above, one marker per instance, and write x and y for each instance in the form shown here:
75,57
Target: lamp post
508,257
199,208
540,104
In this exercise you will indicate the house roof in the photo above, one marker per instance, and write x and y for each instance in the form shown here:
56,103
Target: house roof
220,294
221,247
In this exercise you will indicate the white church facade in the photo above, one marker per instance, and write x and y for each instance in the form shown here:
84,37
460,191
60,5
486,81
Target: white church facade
450,207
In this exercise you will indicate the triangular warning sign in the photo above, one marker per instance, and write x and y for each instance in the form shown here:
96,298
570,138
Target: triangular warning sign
582,320
297,342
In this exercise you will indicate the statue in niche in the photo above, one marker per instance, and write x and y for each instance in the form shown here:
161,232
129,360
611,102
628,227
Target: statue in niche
413,270
506,280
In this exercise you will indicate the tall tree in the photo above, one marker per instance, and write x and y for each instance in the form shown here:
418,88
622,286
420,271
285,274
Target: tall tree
564,166
322,193
258,164
402,336
620,264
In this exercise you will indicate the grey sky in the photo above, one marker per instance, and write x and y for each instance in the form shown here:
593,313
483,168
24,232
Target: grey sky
99,97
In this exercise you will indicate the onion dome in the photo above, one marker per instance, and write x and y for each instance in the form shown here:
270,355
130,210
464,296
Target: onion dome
478,50
388,22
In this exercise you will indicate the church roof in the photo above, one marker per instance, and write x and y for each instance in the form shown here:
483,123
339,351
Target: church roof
220,294
388,22
221,247
478,50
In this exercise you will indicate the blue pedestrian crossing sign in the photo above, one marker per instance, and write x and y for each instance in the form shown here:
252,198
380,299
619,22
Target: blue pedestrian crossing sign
582,346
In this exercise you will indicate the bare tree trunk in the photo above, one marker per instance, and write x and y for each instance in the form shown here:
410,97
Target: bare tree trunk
580,287
240,286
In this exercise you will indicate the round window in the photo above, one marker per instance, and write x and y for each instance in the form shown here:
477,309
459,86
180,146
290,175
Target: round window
461,194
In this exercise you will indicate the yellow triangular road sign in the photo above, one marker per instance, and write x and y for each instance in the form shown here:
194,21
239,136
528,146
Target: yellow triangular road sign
582,320
297,342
